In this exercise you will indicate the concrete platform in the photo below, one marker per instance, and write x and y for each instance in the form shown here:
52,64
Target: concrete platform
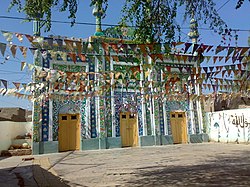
205,164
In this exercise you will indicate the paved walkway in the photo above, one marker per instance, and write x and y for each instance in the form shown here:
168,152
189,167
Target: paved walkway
206,164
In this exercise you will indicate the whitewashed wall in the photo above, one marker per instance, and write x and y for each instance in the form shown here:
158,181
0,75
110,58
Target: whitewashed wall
229,125
9,130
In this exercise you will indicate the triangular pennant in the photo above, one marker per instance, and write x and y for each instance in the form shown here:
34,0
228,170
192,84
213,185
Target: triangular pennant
23,64
195,47
115,47
180,69
239,66
168,68
49,41
82,57
153,56
19,37
23,51
73,57
59,42
115,58
204,86
220,58
187,45
5,83
244,50
209,86
236,51
219,49
24,86
178,57
240,58
209,48
7,35
208,58
30,66
160,56
234,59
30,38
69,44
184,57
17,85
143,49
214,88
227,58
227,67
230,50
105,46
79,47
205,69
233,67
13,49
190,58
211,69
84,47
107,57
214,59
2,48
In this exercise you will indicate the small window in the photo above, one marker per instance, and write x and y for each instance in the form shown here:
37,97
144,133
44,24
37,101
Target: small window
180,116
131,116
173,115
74,117
64,117
123,116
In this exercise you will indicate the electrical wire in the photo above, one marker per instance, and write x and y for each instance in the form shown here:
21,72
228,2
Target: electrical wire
223,5
113,25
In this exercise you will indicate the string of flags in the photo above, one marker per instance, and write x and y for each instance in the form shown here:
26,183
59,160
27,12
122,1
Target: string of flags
79,50
77,47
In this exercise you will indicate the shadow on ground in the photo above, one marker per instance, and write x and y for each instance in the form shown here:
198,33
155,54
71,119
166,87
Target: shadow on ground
31,175
220,171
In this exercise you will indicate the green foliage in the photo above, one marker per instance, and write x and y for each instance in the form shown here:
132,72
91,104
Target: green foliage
155,20
42,9
240,3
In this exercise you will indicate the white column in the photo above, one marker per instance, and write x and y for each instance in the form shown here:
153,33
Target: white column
165,117
199,109
191,108
50,138
143,109
112,102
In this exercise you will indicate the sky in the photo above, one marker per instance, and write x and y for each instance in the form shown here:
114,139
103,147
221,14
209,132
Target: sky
10,70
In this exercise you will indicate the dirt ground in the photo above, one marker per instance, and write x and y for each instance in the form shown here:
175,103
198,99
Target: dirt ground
206,164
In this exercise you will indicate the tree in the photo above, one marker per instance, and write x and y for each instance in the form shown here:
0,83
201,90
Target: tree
157,18
42,9
153,20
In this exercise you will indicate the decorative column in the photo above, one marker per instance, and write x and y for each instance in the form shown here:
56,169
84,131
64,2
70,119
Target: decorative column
196,110
98,13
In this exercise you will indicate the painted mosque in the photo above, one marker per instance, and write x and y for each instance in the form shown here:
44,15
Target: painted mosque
106,92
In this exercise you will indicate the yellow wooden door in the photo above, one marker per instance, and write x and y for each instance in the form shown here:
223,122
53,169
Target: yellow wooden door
178,124
74,132
128,129
63,137
69,132
132,123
